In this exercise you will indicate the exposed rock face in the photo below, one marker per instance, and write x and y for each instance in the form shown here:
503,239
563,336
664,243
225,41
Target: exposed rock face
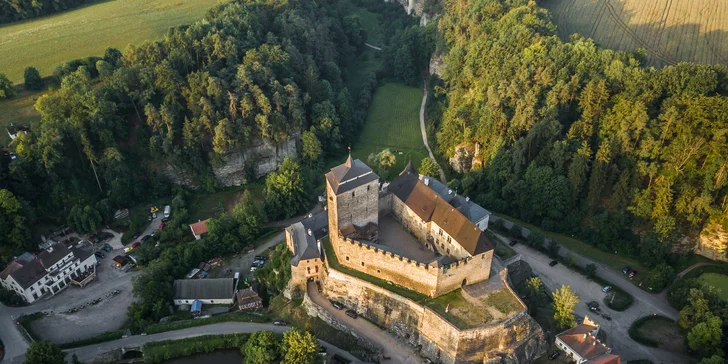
462,158
412,7
518,272
263,156
713,242
437,64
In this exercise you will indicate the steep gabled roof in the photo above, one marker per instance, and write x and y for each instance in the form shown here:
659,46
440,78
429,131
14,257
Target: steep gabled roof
199,227
581,340
430,206
350,175
605,359
29,273
53,255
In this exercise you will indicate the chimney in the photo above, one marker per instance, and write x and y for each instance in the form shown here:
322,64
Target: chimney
310,233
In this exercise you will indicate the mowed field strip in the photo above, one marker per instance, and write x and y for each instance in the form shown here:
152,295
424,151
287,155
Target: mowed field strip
671,31
47,42
393,122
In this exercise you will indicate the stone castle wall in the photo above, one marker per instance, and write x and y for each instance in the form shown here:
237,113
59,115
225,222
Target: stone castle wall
358,207
386,265
518,339
466,271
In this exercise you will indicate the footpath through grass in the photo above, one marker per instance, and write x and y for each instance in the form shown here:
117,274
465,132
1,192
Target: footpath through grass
49,41
393,122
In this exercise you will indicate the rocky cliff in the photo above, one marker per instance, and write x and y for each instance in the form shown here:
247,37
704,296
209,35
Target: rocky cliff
713,242
263,157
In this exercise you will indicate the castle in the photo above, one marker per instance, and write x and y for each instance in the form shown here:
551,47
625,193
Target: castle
413,233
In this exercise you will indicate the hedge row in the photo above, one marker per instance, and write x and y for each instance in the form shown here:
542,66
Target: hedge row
165,350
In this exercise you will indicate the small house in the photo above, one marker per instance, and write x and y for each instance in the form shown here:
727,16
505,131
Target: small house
581,345
120,261
15,129
199,228
248,300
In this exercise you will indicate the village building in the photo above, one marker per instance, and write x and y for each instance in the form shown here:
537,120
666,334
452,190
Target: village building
580,343
217,291
199,228
248,300
120,261
48,272
15,129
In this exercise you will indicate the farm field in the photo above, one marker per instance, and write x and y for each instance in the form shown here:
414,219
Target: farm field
716,280
46,42
393,122
671,31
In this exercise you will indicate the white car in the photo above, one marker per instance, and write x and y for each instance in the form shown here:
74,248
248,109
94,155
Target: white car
607,289
252,269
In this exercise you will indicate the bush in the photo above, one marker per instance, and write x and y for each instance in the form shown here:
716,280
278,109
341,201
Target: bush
109,336
501,251
553,249
638,337
590,270
33,81
10,298
516,231
497,225
571,260
535,239
164,350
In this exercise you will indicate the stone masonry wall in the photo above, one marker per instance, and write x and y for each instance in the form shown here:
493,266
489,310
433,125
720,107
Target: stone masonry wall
518,339
359,206
467,271
410,221
392,267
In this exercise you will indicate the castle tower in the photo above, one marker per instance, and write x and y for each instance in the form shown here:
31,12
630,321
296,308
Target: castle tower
352,190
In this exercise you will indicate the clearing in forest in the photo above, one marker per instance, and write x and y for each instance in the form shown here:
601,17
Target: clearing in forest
670,30
393,122
47,42
716,280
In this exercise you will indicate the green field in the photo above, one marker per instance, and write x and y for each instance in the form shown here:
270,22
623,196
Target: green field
716,280
393,122
19,110
46,42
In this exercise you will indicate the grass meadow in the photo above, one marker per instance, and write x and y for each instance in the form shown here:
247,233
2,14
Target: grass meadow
671,31
46,42
716,280
393,122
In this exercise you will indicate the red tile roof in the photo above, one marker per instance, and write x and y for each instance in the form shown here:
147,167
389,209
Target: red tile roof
605,359
580,340
199,227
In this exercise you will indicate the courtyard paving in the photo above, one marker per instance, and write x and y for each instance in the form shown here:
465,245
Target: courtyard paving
398,240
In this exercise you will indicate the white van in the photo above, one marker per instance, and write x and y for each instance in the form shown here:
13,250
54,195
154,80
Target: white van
167,210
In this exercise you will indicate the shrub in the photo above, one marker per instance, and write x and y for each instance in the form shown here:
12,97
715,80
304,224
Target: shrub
501,251
497,225
535,239
516,231
33,81
10,298
553,249
571,260
590,270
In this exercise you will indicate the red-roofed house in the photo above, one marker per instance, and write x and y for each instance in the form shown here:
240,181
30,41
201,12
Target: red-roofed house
581,344
199,228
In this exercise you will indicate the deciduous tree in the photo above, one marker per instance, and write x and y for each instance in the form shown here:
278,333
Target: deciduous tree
564,302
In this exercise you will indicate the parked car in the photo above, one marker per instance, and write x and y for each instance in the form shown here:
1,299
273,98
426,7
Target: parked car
607,289
626,270
107,248
512,243
280,323
553,263
145,238
136,245
166,219
352,314
554,355
632,273
167,211
162,225
607,317
99,254
337,305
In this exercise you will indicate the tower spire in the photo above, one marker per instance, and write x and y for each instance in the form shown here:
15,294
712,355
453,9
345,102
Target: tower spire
349,162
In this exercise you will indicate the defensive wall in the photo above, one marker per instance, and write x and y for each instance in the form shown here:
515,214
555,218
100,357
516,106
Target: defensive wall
428,278
516,339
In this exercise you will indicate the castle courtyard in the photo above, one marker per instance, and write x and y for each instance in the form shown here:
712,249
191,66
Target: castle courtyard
400,241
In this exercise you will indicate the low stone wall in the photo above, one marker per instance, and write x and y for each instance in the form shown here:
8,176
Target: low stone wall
314,310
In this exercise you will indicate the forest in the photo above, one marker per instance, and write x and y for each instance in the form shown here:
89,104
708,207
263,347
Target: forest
16,10
578,139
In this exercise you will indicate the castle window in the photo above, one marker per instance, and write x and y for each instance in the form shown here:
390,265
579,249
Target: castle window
448,250
362,264
449,240
308,270
440,232
352,193
347,259
378,271
317,269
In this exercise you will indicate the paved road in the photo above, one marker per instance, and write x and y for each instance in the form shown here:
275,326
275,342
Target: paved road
423,130
89,352
656,302
618,328
392,348
372,47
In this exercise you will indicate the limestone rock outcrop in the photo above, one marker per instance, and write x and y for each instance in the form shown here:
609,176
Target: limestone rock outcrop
713,242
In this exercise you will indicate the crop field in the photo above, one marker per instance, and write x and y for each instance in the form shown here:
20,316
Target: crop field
393,122
670,30
46,42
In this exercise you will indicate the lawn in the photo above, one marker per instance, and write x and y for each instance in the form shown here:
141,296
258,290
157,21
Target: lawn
207,205
462,313
393,122
614,261
716,280
18,110
46,42
657,331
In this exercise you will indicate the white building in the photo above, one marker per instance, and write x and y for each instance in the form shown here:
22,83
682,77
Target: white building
216,291
15,130
580,343
49,272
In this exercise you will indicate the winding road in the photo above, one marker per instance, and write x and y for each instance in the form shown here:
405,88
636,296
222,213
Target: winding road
424,133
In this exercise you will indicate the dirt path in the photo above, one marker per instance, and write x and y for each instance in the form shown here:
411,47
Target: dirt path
424,133
686,271
372,47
